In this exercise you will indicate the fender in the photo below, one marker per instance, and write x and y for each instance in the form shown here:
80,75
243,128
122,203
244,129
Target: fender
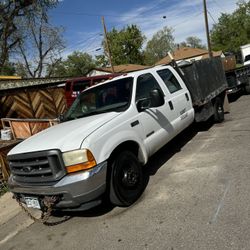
117,139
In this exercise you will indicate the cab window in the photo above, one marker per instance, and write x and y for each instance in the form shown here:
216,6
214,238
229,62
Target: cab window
145,83
170,80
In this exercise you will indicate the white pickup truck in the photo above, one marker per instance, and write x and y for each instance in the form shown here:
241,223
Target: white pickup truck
110,132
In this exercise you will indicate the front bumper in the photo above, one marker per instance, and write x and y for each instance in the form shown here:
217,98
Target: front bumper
78,191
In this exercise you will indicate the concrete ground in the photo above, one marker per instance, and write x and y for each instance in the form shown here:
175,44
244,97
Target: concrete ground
197,197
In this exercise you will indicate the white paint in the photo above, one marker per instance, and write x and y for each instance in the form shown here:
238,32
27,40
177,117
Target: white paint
220,205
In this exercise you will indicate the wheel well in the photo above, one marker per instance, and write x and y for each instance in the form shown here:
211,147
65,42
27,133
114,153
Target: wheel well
221,96
128,146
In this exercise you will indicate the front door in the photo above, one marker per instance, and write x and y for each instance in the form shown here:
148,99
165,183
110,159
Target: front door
156,122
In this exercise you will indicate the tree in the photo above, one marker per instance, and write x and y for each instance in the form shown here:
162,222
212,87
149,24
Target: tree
232,30
125,45
11,14
8,69
76,64
41,42
10,11
101,61
158,47
193,42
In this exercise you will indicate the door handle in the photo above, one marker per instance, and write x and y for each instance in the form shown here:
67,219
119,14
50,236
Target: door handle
171,105
187,97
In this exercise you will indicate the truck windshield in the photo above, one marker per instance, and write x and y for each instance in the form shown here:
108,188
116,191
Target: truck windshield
247,58
112,96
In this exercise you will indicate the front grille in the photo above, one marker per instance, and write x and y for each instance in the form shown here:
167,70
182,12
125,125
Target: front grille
38,167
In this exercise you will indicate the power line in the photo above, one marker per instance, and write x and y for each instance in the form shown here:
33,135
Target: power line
211,16
88,14
82,42
186,20
219,6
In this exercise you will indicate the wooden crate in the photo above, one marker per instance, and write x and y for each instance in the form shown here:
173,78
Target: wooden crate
229,63
24,128
5,147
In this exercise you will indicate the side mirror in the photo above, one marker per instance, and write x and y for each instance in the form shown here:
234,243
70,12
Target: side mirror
61,118
143,104
156,97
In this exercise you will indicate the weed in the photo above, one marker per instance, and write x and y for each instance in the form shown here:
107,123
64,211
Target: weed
3,188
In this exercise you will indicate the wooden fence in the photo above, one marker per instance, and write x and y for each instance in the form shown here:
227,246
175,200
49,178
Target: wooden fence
28,103
33,103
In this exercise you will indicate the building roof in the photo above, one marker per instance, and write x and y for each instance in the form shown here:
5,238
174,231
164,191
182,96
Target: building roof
186,53
123,68
24,83
215,54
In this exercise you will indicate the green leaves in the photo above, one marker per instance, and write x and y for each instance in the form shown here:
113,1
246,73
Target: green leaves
158,47
126,45
76,64
193,42
232,30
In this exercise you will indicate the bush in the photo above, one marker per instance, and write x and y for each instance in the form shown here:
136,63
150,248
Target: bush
3,188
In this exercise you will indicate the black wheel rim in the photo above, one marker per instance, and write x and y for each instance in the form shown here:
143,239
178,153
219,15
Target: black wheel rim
220,111
130,177
128,180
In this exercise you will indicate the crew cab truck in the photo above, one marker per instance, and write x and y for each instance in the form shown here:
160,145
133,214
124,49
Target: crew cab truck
109,133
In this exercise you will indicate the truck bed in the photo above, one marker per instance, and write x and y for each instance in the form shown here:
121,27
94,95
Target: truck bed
205,79
238,76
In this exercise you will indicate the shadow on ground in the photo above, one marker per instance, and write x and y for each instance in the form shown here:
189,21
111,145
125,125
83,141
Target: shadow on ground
175,146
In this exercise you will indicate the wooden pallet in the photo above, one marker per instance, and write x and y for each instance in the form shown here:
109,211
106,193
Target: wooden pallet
5,147
24,128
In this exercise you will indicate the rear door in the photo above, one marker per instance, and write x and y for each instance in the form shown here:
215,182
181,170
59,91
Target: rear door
179,102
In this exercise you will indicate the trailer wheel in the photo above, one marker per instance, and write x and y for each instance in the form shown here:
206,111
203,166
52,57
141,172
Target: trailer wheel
126,182
218,110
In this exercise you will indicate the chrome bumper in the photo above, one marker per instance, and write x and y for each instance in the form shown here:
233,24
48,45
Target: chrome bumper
79,190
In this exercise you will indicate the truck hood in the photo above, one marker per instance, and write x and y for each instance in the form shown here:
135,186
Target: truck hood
65,136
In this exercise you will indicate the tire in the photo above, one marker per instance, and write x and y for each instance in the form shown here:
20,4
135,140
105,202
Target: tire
218,110
247,87
127,181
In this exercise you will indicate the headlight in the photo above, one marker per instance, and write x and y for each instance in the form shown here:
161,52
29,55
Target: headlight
78,160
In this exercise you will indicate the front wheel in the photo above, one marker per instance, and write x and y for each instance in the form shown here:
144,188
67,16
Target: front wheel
127,180
218,110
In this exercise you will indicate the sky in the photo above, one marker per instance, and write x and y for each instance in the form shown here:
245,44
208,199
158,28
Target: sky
83,27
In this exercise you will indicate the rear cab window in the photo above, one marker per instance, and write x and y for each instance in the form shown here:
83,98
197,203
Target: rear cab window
170,80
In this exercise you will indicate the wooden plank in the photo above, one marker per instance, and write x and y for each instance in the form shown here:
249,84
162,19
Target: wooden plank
33,103
5,147
24,128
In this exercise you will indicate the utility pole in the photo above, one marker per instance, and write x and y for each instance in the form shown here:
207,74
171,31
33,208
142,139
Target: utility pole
207,30
107,44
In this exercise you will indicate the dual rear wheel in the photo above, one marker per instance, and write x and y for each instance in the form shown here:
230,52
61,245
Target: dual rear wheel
218,110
